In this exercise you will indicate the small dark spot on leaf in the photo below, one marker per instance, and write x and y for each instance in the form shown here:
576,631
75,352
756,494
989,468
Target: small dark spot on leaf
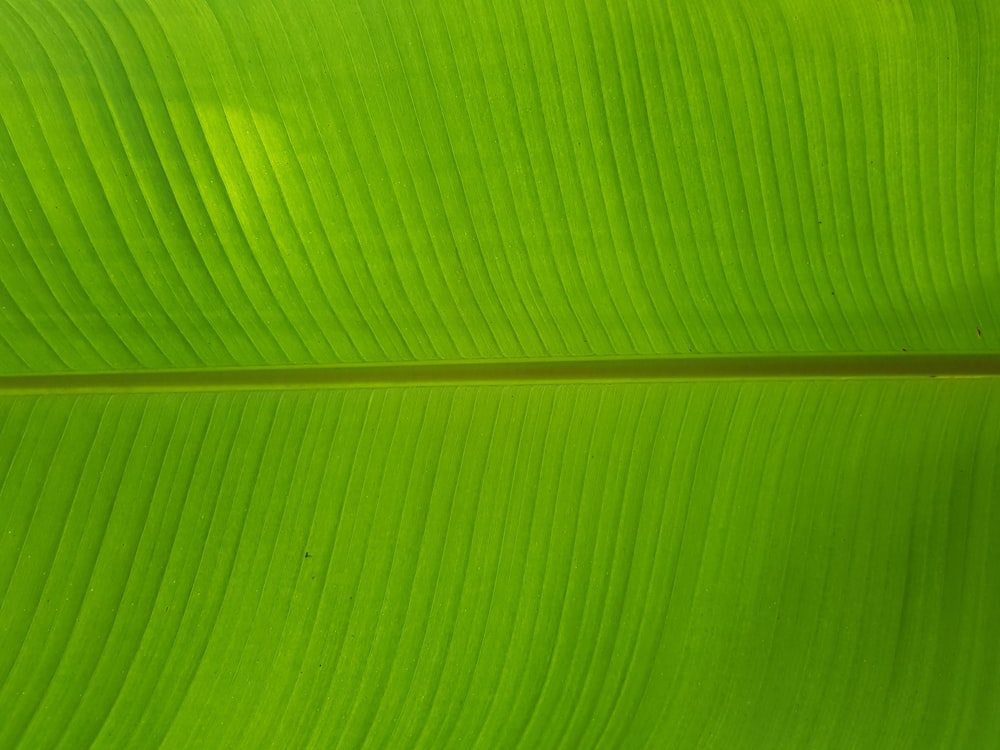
904,348
308,555
979,331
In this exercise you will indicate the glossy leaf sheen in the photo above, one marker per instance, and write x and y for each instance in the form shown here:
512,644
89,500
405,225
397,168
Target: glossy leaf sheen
481,223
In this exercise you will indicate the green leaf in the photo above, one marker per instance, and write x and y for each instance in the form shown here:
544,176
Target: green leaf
550,375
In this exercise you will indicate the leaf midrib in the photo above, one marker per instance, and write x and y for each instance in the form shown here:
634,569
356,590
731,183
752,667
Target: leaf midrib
577,370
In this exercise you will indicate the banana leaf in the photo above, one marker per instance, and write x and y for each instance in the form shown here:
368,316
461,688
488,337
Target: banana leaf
476,374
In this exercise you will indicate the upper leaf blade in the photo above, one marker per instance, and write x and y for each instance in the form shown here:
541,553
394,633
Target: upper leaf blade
214,185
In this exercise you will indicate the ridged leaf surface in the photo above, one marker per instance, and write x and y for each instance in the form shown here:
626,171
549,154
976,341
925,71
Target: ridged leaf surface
560,374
